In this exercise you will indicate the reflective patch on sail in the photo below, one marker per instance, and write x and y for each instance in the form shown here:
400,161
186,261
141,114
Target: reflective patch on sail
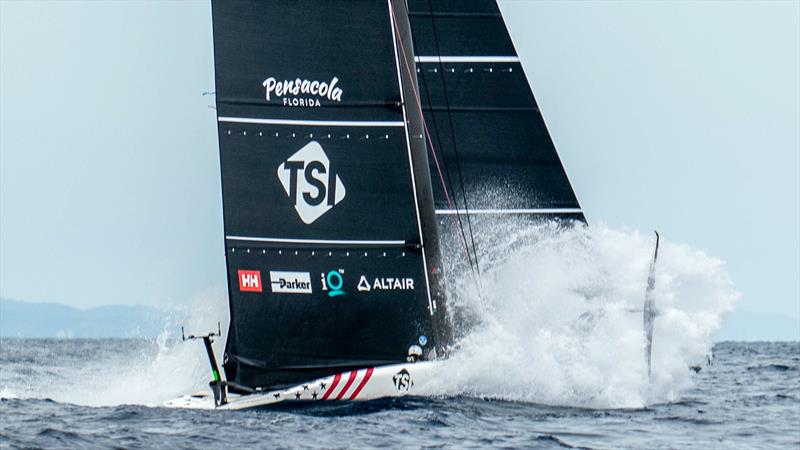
310,182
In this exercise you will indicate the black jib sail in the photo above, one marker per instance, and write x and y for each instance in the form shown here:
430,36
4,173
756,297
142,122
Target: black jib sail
495,155
330,232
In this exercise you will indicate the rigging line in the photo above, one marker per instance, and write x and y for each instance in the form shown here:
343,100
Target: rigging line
453,138
446,170
433,150
427,133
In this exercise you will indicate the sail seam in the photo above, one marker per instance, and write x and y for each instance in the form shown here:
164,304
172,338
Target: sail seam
313,123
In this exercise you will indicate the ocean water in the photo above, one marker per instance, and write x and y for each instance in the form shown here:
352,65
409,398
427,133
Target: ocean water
53,396
549,354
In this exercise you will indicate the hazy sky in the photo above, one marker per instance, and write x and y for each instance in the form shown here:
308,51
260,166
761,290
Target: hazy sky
681,116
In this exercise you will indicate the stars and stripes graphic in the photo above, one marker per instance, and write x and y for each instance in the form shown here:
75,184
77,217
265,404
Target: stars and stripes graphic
342,386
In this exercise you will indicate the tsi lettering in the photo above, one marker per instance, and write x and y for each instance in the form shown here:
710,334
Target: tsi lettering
310,182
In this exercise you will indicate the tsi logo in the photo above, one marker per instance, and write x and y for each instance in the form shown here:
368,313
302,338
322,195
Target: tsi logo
290,282
250,281
310,182
402,381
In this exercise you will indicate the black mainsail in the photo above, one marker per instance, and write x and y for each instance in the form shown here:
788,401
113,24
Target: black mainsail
331,244
495,155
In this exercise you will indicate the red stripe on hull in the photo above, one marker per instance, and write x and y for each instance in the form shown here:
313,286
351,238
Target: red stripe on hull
347,385
362,384
336,379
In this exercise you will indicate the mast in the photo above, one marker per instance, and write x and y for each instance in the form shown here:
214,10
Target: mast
332,258
416,132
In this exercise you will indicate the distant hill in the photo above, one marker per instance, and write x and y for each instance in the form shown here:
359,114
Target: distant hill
52,320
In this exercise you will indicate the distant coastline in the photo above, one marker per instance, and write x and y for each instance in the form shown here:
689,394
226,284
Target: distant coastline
54,320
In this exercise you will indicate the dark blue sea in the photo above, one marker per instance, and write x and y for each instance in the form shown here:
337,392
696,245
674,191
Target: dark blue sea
76,393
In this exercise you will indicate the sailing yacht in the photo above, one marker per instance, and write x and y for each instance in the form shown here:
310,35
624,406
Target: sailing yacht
350,135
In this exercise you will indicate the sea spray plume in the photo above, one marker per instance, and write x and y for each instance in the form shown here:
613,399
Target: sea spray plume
141,371
176,367
530,337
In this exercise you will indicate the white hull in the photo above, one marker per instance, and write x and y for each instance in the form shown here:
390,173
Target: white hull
396,380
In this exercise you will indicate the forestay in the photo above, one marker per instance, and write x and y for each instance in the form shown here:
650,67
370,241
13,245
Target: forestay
330,239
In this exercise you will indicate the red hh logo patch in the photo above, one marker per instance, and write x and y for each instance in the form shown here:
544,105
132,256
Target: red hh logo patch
250,281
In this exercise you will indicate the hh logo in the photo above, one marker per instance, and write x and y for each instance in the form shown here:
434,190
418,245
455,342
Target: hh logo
310,182
250,281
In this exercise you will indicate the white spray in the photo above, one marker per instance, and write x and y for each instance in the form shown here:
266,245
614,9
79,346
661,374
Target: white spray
559,318
156,371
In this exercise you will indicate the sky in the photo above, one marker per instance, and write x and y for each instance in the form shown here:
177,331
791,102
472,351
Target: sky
676,116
